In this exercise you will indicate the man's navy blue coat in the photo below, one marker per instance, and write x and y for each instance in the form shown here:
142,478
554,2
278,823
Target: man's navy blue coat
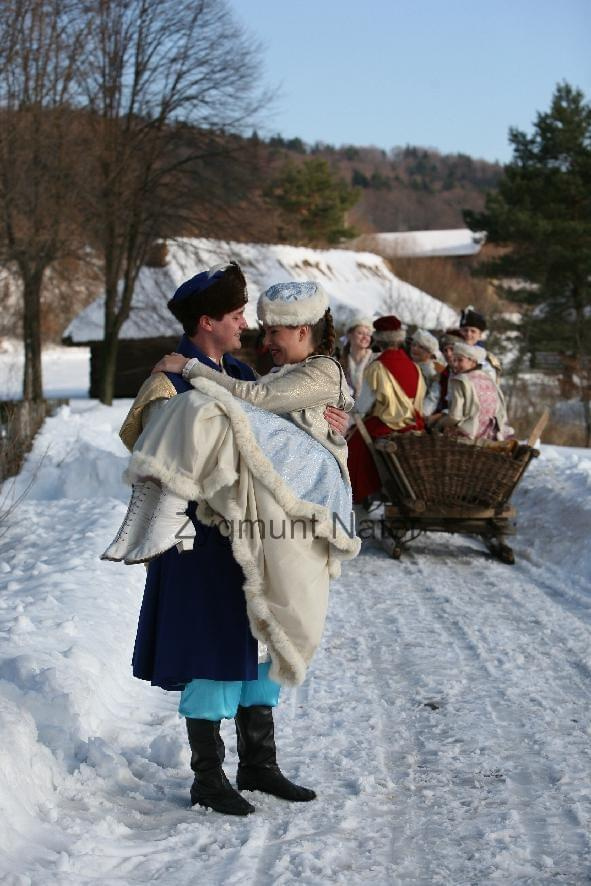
193,621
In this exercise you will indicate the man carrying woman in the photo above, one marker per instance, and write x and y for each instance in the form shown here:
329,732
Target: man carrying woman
237,466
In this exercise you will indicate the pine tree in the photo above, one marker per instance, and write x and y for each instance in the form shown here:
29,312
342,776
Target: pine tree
314,201
541,216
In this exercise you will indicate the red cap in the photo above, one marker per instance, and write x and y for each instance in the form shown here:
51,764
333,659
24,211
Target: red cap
387,324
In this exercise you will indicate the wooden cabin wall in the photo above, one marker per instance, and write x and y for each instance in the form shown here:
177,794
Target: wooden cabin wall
136,357
135,360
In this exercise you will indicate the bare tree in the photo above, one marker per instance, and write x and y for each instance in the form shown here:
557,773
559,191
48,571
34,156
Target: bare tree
166,81
40,43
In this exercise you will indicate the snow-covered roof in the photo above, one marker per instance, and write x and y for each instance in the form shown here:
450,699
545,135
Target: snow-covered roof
355,281
425,244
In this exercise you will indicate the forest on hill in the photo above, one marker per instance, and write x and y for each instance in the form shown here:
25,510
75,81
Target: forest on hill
404,189
351,189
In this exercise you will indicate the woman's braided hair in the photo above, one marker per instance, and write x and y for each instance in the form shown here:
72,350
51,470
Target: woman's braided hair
323,335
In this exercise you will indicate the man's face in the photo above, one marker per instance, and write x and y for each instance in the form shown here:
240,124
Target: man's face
227,331
471,334
419,354
447,352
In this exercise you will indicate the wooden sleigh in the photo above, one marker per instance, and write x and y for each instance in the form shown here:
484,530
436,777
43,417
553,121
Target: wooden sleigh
438,483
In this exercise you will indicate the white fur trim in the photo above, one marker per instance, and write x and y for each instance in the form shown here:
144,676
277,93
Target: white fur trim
425,340
288,665
472,352
360,320
391,336
293,312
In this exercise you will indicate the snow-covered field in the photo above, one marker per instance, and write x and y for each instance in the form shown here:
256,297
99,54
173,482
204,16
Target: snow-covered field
65,371
445,723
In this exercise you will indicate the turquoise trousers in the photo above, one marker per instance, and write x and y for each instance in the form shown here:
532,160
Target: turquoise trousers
219,699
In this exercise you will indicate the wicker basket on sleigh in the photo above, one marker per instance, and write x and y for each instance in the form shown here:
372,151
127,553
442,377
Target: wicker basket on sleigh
439,483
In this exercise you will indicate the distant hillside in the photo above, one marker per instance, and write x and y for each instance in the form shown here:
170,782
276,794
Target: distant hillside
406,188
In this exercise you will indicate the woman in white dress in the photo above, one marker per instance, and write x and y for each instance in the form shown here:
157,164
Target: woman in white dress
357,353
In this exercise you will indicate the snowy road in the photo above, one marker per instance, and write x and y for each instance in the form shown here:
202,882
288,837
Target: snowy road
445,722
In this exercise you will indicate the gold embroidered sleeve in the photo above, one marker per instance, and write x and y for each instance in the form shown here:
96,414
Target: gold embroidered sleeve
156,387
313,382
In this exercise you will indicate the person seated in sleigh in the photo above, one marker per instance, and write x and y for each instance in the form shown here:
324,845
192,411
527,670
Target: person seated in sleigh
476,404
424,350
391,401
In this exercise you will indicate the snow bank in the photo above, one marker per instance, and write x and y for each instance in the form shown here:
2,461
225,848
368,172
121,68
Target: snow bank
67,625
355,281
77,456
554,503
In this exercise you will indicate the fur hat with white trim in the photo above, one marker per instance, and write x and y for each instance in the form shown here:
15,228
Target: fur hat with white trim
360,320
215,292
449,338
472,352
425,340
292,304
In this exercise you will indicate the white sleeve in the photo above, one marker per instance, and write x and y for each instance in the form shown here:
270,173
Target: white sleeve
315,382
432,397
365,400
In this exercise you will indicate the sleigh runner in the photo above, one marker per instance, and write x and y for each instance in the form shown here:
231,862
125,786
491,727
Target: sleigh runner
438,483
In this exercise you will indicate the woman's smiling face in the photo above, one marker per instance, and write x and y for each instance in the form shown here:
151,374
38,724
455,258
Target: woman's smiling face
360,337
288,344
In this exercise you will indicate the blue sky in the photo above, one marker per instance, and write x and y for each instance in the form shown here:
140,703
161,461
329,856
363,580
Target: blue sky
453,75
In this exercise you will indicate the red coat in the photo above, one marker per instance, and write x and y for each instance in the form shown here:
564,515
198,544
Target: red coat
365,480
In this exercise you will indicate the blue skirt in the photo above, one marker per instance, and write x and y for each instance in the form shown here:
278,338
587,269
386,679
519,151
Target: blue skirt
193,622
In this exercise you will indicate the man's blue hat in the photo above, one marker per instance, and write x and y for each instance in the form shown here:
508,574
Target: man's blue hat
198,284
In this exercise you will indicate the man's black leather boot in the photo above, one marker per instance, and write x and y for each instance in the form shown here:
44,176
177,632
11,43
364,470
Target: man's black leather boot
258,769
211,788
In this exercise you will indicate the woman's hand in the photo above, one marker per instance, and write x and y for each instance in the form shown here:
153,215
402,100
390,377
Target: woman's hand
337,419
171,363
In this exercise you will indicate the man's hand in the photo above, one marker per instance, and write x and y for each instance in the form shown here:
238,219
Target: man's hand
171,363
443,425
337,419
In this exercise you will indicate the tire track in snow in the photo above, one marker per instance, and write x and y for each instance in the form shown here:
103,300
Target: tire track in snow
461,614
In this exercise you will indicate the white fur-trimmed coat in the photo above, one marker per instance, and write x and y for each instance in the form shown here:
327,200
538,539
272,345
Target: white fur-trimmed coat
202,447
